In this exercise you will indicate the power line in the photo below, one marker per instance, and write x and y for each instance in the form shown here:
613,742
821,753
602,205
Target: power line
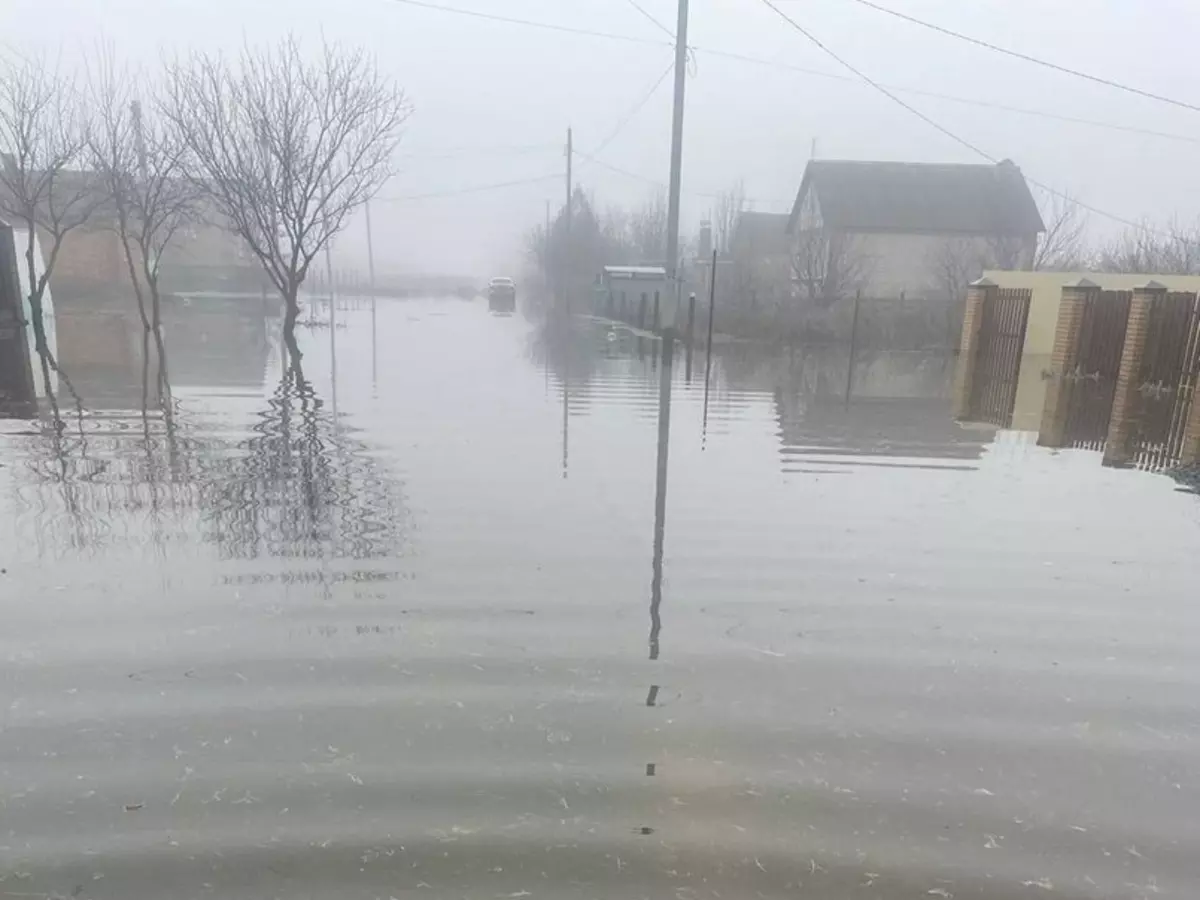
548,26
635,109
646,178
946,131
474,189
952,98
1027,58
458,152
740,57
875,84
657,24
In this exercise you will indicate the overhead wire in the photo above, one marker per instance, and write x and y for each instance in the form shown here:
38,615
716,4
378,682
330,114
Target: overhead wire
978,42
741,57
951,98
657,24
634,110
938,126
472,189
530,23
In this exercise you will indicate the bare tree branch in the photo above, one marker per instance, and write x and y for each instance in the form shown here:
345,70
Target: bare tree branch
647,229
726,213
286,147
1146,250
44,132
827,266
1062,247
141,162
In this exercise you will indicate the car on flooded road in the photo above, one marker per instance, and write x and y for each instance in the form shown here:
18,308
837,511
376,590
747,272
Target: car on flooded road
502,295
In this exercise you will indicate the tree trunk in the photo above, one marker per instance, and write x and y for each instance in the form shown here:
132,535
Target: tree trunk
291,314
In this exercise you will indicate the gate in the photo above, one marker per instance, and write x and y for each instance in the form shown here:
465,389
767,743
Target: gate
1092,385
1168,379
998,364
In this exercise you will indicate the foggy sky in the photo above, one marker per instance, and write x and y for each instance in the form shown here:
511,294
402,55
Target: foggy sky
493,101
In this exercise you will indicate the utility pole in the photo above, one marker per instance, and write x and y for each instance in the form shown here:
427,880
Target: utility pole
567,255
668,334
677,154
371,277
139,137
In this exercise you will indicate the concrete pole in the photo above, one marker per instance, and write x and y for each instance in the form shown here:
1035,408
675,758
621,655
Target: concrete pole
567,254
672,262
371,277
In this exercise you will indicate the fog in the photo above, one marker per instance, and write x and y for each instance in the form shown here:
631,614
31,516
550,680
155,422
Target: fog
493,100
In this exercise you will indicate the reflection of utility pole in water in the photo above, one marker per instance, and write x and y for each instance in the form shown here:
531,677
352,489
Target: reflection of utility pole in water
712,302
568,256
566,405
660,490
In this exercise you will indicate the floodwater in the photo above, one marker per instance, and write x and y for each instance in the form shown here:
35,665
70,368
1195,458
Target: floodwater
438,627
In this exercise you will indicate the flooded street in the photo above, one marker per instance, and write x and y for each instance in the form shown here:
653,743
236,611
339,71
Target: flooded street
405,633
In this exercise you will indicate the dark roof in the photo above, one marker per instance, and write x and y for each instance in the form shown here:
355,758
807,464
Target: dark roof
761,231
921,198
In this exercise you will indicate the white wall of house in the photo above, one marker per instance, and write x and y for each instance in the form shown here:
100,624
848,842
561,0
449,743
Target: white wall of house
910,263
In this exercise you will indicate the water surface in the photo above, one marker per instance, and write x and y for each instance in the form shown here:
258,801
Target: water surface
404,632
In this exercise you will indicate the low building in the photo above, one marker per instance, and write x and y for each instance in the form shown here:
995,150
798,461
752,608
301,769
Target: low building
891,228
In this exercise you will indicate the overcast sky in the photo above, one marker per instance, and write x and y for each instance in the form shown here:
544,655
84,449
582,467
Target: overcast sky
493,101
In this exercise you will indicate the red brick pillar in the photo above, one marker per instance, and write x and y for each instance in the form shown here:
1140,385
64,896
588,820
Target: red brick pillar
979,293
1064,360
1122,427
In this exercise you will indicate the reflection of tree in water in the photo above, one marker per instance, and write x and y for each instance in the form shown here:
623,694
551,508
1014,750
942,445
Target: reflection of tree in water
103,479
159,478
302,486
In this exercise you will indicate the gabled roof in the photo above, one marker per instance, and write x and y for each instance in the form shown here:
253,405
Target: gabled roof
920,198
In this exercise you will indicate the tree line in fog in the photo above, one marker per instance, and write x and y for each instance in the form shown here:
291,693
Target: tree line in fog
274,144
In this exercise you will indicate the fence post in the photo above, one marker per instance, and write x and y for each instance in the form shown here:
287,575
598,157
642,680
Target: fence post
1122,427
1064,360
979,294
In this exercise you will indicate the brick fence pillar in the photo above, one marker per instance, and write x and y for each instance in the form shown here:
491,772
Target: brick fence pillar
1122,426
1190,453
979,293
1064,360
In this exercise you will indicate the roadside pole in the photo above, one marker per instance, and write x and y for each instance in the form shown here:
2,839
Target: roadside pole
668,333
567,254
371,277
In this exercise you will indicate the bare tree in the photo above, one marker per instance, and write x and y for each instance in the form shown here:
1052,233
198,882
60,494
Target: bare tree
142,164
728,209
648,229
44,136
827,266
954,263
1062,247
286,147
1153,251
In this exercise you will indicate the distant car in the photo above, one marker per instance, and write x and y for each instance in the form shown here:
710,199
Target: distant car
502,295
